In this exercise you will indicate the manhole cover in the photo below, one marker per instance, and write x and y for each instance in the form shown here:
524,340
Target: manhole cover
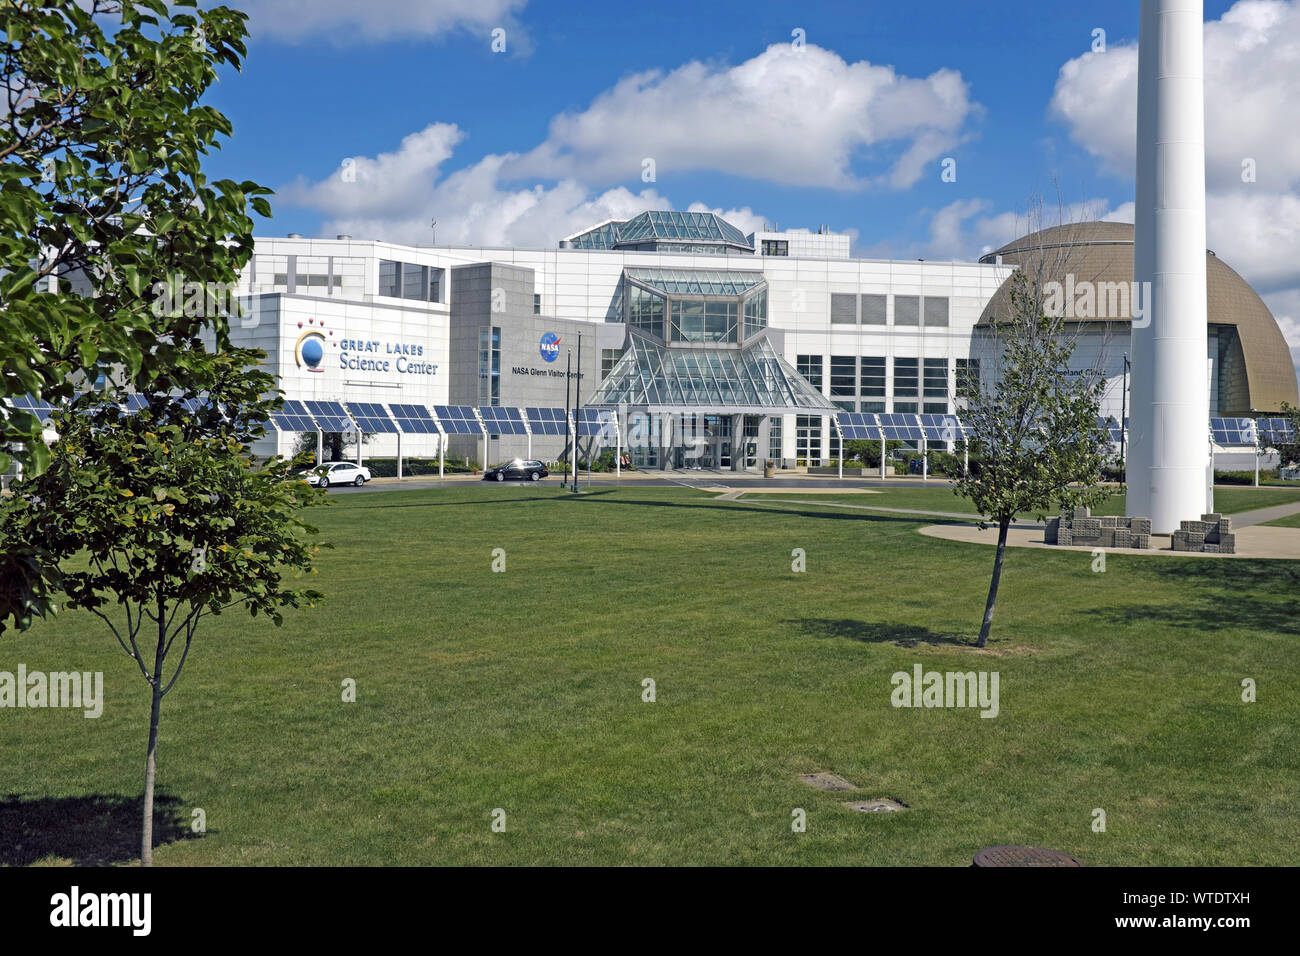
826,781
1023,856
883,805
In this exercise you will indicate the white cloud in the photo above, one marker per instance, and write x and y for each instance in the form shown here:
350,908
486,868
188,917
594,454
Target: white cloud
348,21
799,117
1252,70
394,196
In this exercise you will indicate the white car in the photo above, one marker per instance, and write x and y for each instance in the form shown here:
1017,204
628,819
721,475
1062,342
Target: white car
337,473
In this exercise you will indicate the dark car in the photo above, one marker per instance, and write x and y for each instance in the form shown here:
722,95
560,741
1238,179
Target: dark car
517,470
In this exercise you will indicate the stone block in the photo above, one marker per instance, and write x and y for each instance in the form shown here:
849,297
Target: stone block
1213,518
1140,525
1123,538
1064,537
1227,544
1109,521
1086,526
1210,549
1082,513
1142,541
1053,528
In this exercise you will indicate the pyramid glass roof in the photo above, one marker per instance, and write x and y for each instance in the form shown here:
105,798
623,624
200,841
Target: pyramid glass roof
752,379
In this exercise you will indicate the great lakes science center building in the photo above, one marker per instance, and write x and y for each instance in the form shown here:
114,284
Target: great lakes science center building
694,335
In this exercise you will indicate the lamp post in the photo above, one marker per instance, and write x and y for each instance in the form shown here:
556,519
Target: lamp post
577,406
1123,415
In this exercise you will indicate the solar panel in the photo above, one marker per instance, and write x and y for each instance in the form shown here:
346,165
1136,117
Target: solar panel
413,419
943,428
901,427
371,417
1110,427
330,417
502,421
135,403
292,417
36,406
1232,431
545,421
457,419
1276,430
596,422
856,426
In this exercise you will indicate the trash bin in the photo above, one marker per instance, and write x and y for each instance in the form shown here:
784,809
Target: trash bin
769,468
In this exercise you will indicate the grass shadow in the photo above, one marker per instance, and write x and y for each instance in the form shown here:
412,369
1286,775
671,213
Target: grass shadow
95,830
877,632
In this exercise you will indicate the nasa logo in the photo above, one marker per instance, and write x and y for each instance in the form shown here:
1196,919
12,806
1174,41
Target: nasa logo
550,346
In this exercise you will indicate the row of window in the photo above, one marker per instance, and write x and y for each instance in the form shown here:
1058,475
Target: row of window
406,280
696,320
930,311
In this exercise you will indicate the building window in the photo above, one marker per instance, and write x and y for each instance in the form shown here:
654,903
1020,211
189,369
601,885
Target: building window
755,313
876,407
537,303
704,320
844,377
774,437
905,379
936,311
968,376
873,309
844,309
907,310
810,367
406,280
489,366
608,359
873,376
776,247
808,439
390,278
904,407
936,379
935,408
645,311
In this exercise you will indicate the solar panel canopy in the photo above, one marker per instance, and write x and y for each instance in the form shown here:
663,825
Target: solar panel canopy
1272,430
901,427
545,421
596,422
330,416
292,417
942,428
458,419
371,417
856,426
1232,431
502,420
413,419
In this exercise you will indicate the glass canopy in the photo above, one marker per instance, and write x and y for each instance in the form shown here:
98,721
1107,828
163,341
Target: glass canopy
690,226
752,379
665,231
696,281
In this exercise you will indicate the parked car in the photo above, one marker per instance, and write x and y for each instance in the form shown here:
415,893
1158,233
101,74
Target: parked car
337,473
518,469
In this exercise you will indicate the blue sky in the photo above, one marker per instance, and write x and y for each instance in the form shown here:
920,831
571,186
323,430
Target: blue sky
525,146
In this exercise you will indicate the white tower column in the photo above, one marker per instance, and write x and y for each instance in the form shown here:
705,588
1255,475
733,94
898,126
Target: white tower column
1168,452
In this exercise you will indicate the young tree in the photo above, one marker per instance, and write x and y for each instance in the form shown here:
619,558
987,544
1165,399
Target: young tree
156,520
103,206
1033,424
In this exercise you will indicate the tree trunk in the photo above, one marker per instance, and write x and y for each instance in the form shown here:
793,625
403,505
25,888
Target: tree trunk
1003,524
146,841
150,763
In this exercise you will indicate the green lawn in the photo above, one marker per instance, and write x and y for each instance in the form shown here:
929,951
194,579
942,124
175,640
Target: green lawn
1290,521
522,690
